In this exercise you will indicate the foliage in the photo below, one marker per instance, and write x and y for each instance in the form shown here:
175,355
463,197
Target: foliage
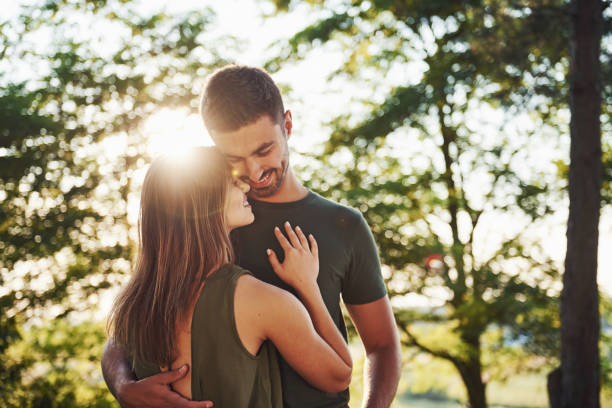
476,92
63,362
77,77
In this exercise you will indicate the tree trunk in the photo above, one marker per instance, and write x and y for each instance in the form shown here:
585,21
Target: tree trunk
579,300
553,383
471,375
470,370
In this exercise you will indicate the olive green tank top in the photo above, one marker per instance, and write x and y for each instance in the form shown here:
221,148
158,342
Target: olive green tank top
223,371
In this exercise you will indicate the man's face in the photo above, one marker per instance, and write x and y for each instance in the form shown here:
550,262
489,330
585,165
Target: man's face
258,153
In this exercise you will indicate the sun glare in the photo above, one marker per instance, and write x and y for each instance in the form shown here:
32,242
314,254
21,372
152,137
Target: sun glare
172,132
169,132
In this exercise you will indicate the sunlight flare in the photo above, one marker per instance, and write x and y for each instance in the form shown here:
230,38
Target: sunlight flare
173,132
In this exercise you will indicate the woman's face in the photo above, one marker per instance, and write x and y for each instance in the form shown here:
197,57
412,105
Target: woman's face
237,208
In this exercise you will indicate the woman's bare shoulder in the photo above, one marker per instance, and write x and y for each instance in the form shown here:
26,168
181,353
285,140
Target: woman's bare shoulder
260,309
250,285
261,295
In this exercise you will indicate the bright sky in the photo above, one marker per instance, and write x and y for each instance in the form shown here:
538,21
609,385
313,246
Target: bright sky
313,102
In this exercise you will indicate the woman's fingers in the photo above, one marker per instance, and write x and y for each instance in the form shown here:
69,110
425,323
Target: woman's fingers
282,240
302,238
295,242
274,261
314,248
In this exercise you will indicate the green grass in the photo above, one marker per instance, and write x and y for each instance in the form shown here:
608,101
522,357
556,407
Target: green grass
416,402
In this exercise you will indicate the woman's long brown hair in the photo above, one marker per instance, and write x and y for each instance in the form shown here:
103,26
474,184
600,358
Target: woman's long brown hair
183,237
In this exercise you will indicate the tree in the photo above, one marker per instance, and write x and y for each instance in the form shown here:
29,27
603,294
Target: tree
429,219
64,236
580,326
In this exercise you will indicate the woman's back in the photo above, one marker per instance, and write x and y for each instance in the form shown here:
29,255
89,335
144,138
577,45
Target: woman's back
222,370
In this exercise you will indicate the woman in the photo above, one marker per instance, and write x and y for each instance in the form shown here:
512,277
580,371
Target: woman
186,303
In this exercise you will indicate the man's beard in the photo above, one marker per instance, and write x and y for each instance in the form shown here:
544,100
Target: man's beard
271,189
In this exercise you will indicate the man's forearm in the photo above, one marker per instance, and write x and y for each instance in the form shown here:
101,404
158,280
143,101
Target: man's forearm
381,376
116,367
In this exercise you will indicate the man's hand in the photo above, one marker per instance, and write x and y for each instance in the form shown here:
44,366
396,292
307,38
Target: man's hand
155,392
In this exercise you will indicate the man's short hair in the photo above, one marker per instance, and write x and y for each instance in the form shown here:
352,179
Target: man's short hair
238,95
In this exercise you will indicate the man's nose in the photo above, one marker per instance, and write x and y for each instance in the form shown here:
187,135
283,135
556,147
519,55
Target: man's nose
252,168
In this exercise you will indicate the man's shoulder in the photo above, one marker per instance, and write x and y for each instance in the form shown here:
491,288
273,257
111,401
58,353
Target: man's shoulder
333,207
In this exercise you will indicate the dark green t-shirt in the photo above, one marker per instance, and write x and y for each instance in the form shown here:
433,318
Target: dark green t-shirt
348,265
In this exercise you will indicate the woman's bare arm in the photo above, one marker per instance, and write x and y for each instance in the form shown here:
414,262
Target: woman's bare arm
300,269
265,312
320,341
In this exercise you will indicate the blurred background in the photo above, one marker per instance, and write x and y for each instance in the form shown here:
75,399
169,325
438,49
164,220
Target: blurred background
445,123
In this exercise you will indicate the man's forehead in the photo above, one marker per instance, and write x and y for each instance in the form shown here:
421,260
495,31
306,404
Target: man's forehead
248,139
243,149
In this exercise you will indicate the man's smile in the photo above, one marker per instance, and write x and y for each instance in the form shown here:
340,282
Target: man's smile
263,181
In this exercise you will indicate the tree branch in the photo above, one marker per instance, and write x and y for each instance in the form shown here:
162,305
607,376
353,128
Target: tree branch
436,353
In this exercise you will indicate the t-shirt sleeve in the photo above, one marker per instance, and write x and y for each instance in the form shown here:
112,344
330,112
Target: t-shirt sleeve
363,282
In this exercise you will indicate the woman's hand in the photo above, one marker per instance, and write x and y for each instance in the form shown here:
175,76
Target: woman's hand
301,265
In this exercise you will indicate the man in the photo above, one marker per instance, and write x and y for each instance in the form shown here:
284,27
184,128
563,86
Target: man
243,111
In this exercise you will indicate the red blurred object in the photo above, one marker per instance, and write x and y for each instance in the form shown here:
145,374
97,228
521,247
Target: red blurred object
434,261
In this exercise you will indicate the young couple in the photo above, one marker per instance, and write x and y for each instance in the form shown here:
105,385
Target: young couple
248,341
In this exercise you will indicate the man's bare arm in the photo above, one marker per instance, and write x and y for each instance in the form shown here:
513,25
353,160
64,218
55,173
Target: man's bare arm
116,368
376,327
154,391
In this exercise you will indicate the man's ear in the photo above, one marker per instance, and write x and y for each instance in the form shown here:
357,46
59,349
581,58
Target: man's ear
288,123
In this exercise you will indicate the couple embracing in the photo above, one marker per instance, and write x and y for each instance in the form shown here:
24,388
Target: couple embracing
251,320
